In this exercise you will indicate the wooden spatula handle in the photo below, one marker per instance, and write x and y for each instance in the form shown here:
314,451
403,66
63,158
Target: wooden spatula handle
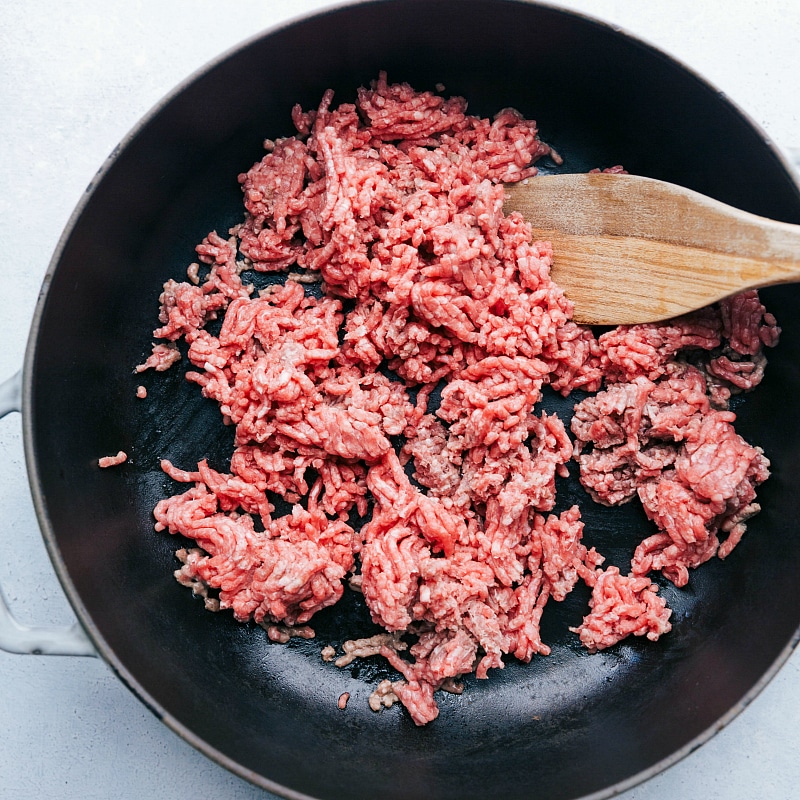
633,249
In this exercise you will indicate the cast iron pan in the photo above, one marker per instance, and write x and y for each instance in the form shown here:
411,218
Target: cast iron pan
565,726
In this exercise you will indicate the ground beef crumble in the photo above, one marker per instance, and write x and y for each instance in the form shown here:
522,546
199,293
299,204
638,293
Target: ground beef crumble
395,204
112,461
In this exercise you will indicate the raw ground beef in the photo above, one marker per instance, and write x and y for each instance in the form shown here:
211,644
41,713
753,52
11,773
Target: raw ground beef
656,434
112,461
395,203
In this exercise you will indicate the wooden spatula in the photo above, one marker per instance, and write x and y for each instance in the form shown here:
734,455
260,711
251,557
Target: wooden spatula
628,249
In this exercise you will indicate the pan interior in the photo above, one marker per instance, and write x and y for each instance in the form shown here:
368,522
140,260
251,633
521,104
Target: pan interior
563,726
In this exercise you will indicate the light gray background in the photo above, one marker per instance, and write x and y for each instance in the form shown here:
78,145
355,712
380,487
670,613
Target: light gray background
74,78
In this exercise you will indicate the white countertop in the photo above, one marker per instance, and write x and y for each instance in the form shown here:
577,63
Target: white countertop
74,78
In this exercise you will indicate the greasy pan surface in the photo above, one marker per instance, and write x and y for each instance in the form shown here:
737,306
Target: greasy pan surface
563,726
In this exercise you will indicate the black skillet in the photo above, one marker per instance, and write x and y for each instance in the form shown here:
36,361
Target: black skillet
566,726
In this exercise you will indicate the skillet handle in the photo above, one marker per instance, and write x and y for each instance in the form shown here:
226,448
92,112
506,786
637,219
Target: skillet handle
14,636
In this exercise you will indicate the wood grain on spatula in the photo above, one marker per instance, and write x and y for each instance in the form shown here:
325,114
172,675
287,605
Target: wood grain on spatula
628,249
